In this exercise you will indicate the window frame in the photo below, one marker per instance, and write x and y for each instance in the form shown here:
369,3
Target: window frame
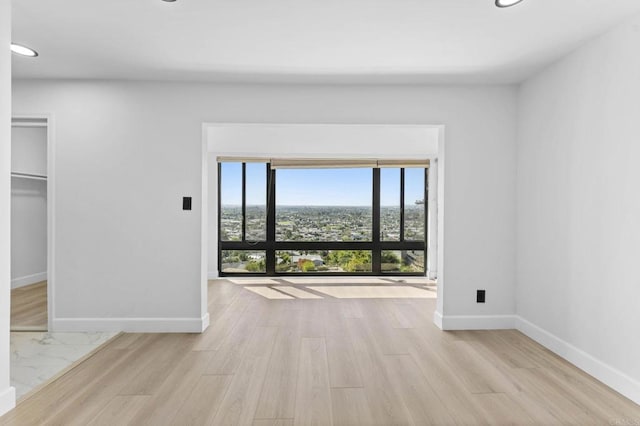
271,246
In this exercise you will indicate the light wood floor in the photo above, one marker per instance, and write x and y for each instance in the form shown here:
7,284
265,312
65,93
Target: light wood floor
29,307
323,361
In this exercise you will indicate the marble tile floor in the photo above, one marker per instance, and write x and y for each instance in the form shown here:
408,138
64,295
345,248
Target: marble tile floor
38,356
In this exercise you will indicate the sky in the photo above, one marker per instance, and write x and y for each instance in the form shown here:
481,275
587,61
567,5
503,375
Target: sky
320,187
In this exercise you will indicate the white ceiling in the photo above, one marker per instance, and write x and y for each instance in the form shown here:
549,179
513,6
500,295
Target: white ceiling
368,41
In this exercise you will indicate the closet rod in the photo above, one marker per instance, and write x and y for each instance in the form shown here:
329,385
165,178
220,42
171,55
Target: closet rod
28,176
28,124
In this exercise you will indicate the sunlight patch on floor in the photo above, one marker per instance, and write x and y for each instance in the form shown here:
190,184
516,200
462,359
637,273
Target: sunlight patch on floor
297,292
414,280
333,280
269,293
252,281
374,292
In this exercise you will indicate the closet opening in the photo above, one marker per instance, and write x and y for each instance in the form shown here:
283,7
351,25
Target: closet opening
30,211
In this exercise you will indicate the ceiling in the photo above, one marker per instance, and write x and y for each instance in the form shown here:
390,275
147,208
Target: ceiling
350,41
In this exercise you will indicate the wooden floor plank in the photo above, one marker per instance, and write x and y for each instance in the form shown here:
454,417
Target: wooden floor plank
62,393
175,390
229,354
241,400
343,369
273,422
323,361
223,325
278,394
313,398
106,386
386,404
153,374
222,292
120,410
350,407
491,346
388,341
502,409
438,373
351,308
538,390
29,307
478,374
313,323
203,402
423,403
396,316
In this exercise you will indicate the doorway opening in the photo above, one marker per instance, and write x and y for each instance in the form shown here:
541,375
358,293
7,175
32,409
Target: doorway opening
342,145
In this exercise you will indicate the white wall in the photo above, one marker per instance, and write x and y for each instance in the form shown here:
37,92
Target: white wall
309,141
29,150
128,151
28,206
7,393
324,140
579,210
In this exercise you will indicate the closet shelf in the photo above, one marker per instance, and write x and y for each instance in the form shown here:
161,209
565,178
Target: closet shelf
28,176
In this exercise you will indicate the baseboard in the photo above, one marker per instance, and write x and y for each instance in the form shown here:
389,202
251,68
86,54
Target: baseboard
437,319
477,322
205,322
132,325
28,280
7,400
608,375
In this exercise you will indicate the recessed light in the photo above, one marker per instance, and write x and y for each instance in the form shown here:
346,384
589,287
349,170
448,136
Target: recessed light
507,3
23,50
168,1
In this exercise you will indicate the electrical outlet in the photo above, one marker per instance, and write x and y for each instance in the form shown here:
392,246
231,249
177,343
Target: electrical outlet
480,296
186,203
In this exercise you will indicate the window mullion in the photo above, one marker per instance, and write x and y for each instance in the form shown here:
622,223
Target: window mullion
220,219
426,217
376,253
244,202
270,261
402,204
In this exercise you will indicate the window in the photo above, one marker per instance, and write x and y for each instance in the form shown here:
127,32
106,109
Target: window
403,261
318,221
323,261
390,211
256,202
414,200
231,221
324,205
243,261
